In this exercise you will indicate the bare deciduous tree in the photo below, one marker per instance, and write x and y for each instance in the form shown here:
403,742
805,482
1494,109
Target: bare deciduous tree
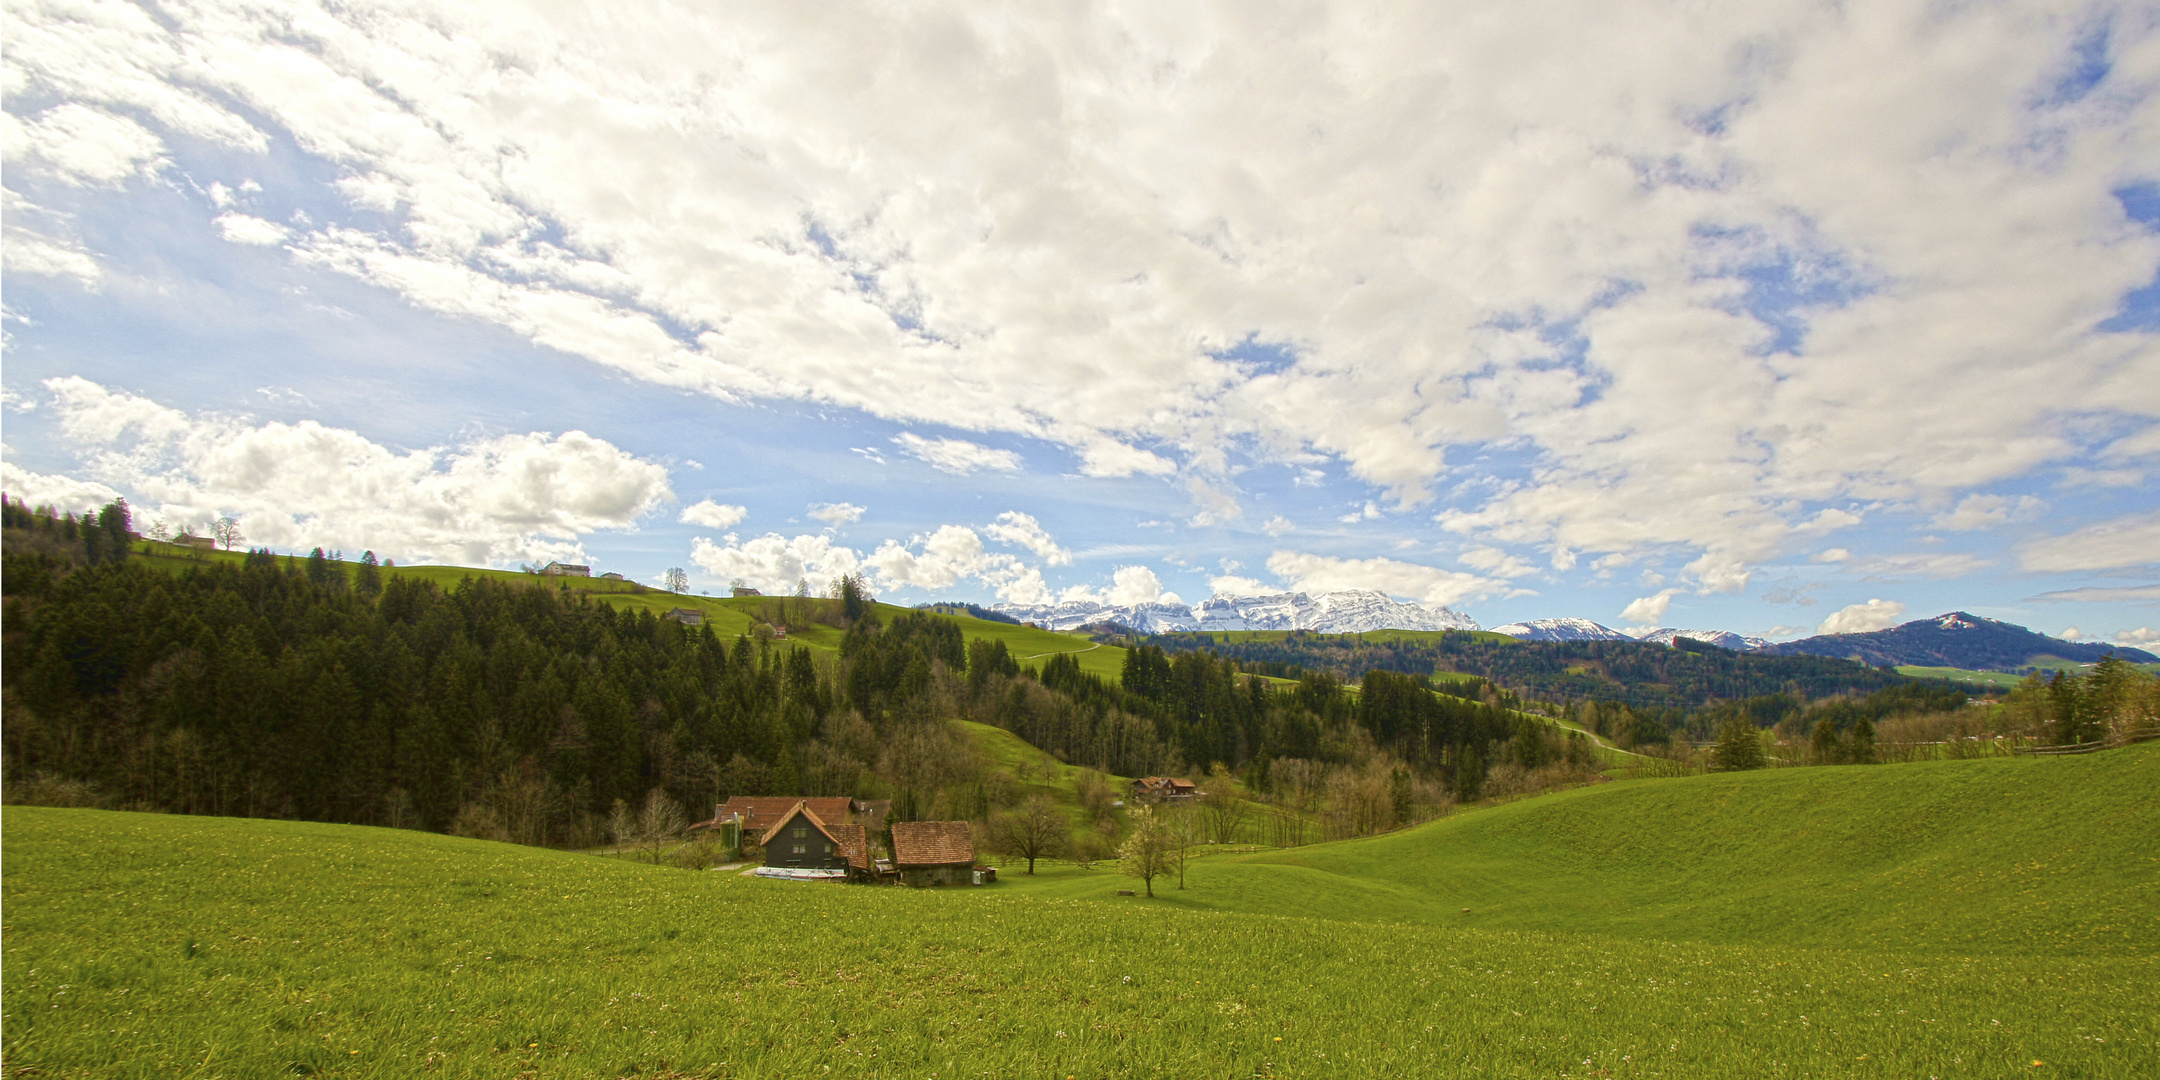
1147,849
226,531
659,821
1034,831
676,579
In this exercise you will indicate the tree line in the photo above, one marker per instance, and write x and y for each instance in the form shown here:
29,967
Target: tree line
322,689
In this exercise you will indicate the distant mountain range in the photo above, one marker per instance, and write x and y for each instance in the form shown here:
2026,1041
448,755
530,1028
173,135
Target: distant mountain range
1561,630
1958,639
1723,639
1352,611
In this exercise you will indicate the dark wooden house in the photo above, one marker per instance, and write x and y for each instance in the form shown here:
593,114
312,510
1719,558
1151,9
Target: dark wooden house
933,853
802,841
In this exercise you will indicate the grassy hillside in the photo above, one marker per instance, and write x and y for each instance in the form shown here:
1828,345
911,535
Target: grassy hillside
728,616
1994,680
141,945
2022,855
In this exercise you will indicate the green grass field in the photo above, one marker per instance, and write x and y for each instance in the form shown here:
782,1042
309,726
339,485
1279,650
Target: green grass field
1985,918
2037,856
141,945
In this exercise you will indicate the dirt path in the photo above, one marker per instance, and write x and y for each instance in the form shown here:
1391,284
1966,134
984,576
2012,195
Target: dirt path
1060,652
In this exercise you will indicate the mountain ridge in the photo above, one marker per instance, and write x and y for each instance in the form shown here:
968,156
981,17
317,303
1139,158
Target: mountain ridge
1345,611
1956,639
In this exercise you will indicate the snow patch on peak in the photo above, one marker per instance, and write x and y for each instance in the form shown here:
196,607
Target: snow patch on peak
1723,639
1349,611
1561,630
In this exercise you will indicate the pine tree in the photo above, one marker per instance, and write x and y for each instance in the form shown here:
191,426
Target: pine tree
1824,744
1739,747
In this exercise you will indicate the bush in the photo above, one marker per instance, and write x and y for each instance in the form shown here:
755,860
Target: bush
43,790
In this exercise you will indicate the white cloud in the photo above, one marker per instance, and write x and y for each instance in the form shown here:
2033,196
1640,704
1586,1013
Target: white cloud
1057,224
242,229
1022,530
950,555
713,515
1231,585
1650,609
59,492
773,563
1136,585
1918,564
1369,512
2072,634
1831,555
81,145
834,514
32,253
1987,511
1495,561
2142,636
1277,526
2124,542
2120,594
488,501
957,456
1863,618
1111,458
1307,572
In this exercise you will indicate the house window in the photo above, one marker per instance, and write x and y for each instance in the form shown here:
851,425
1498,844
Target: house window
801,832
799,849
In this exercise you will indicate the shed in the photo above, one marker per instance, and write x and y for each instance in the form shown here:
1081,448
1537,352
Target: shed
933,852
855,847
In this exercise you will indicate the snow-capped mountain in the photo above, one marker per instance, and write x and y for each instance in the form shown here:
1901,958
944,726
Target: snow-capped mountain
1350,611
1561,630
1723,639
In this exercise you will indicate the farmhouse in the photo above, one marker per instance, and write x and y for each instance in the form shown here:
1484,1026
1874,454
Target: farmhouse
686,616
1165,789
743,590
759,813
801,840
558,569
933,853
612,576
197,543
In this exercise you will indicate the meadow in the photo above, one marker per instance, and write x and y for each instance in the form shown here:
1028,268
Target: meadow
2007,856
148,945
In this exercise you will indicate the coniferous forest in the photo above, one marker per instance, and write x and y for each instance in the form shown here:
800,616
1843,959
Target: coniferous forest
323,690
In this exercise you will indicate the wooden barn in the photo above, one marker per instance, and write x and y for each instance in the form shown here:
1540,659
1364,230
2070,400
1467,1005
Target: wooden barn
933,853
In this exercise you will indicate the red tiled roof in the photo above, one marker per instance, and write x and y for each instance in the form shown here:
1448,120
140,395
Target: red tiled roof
932,843
854,843
761,812
800,809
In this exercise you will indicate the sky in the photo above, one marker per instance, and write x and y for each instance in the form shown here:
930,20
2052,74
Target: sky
1778,318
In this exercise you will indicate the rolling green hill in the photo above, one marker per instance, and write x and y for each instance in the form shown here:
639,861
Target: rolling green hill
728,616
2021,855
153,945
